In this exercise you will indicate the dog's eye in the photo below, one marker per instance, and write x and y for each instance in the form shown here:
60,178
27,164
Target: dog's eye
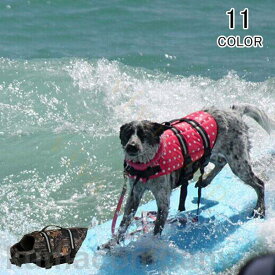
141,134
126,134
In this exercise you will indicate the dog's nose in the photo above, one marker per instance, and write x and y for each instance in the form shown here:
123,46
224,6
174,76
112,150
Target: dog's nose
131,148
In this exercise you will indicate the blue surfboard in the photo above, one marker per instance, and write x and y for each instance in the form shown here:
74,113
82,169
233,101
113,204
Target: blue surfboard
222,236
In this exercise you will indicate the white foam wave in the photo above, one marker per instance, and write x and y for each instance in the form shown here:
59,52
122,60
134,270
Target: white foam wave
138,94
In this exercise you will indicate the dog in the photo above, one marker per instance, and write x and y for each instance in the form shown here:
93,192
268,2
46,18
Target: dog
141,140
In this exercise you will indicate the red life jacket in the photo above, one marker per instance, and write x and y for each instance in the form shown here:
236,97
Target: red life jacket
169,156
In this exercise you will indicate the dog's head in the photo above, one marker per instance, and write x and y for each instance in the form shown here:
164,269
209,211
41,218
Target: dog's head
140,140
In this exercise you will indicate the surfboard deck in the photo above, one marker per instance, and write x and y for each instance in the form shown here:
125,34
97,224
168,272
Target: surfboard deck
221,237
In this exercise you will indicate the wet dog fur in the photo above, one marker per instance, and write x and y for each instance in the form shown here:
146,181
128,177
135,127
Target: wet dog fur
140,142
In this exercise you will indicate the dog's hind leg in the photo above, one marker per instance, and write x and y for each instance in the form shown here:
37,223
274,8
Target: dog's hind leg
219,162
240,166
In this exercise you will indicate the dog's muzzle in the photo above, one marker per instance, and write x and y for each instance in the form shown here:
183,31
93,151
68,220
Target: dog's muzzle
131,149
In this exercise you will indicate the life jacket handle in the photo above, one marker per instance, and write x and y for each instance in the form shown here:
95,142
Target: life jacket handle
47,240
51,225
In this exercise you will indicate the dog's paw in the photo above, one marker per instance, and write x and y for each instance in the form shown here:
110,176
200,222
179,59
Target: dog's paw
258,213
146,258
109,245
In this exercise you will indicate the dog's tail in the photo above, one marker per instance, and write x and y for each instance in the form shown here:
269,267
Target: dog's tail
258,115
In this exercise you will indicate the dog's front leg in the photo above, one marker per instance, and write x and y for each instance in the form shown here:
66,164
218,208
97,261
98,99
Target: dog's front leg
131,206
162,194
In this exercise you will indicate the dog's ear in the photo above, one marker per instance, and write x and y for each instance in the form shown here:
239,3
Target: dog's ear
158,128
124,132
122,129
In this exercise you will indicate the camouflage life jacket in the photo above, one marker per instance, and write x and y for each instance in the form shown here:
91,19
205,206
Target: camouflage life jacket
46,248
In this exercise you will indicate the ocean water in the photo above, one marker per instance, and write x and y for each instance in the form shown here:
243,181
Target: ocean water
71,72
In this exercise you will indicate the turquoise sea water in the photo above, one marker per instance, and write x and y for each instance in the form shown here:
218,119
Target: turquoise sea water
71,72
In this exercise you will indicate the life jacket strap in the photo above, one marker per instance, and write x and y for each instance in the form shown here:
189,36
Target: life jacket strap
183,145
205,158
150,171
205,139
187,175
72,243
184,175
